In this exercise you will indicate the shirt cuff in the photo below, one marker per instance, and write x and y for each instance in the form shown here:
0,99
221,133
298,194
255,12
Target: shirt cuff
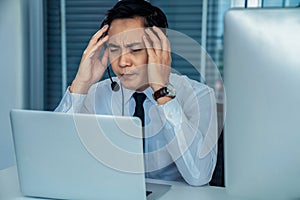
71,102
172,112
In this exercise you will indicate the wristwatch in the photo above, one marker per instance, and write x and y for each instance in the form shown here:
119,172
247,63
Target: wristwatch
168,91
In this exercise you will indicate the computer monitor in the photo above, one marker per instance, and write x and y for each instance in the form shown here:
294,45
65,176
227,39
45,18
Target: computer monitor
262,82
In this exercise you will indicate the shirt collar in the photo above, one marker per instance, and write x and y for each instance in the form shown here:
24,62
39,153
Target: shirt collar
128,94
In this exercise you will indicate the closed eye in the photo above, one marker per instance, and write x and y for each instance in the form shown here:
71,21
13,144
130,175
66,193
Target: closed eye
113,50
136,50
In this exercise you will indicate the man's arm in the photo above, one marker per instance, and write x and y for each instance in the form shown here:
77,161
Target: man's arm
191,133
191,116
91,70
71,103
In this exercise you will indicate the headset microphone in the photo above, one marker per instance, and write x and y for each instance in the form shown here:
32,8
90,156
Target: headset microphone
114,85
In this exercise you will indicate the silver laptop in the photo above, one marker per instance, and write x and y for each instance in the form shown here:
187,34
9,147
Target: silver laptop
262,80
80,156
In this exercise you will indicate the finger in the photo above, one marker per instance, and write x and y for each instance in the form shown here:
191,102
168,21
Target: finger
98,35
166,49
95,39
99,46
149,48
104,59
164,40
156,43
103,63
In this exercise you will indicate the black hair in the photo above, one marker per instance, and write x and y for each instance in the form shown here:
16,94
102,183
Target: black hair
153,16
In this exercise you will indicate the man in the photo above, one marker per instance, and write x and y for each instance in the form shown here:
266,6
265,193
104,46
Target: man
178,114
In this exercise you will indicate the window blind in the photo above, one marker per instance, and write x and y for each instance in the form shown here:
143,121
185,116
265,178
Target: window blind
184,17
83,19
52,51
280,3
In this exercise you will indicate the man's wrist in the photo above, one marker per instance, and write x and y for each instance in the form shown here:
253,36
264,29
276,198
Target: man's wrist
79,88
167,91
163,100
156,87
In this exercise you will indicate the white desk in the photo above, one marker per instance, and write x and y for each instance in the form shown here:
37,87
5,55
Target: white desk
9,189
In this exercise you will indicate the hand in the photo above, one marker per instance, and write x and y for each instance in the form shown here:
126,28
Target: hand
91,68
159,58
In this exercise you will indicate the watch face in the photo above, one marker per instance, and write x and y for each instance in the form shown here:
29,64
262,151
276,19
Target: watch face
168,91
171,91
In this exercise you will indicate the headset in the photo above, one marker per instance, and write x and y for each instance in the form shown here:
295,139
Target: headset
114,85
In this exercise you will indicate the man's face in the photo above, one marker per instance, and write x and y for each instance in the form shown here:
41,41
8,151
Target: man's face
127,53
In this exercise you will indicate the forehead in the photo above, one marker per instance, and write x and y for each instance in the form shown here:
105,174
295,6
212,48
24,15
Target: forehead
126,30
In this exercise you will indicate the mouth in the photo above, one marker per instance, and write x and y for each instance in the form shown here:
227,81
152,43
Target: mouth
127,75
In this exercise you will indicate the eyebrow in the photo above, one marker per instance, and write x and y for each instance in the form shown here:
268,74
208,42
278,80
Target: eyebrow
112,45
134,44
130,45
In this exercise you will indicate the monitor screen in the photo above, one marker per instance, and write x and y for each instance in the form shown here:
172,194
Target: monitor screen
262,82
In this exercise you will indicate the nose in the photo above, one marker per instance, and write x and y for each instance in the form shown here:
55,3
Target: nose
124,60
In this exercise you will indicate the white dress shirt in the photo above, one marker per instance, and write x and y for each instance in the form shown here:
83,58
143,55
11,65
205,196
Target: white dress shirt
181,135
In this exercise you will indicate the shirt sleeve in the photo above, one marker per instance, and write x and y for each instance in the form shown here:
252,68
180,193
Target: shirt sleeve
191,133
71,103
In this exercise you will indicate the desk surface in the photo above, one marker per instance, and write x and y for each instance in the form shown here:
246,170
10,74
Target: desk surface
9,189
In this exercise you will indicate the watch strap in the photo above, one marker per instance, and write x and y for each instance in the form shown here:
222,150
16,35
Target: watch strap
160,93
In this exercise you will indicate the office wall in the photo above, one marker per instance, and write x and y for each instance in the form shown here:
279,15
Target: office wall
12,75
